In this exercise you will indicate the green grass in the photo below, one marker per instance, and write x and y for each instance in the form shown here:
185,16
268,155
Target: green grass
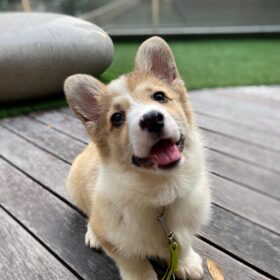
202,64
27,106
214,63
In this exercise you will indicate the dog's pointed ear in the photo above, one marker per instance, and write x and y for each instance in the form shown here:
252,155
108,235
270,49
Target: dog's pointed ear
155,56
83,96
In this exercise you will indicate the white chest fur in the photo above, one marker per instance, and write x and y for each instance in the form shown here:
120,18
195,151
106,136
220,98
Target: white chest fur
131,217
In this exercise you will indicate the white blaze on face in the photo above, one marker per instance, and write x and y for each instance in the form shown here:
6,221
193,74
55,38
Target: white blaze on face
142,140
119,86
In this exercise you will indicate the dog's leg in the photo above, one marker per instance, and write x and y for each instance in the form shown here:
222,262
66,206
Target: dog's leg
130,267
134,268
190,265
90,239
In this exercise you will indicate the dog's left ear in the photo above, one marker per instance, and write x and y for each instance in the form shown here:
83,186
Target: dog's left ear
83,93
155,56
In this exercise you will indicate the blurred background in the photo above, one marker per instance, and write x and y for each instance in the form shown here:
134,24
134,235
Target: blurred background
141,17
217,43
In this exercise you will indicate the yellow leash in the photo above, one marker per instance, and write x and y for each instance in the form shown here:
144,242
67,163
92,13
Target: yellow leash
173,248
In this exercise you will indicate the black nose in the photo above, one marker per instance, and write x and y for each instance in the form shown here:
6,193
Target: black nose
152,121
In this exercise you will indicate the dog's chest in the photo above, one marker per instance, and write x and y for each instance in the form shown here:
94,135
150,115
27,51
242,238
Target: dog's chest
139,233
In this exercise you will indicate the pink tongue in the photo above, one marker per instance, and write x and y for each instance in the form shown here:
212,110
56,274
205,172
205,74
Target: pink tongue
165,152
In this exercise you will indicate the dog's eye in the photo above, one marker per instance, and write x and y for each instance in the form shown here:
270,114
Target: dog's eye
160,97
118,118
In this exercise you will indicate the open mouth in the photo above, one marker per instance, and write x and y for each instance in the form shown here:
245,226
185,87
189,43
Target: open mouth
165,154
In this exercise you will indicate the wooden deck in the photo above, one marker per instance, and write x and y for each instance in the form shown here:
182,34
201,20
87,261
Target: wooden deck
42,234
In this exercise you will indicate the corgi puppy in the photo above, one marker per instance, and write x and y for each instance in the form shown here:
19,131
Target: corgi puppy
145,154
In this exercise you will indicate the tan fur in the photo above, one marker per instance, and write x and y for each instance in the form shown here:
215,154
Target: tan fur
83,170
120,199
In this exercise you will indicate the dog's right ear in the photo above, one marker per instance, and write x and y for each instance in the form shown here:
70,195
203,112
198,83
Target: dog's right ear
83,95
154,56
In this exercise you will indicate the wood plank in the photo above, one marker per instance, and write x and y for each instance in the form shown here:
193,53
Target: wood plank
249,153
44,136
259,112
67,148
57,225
234,197
225,114
252,136
249,242
42,166
22,257
232,269
239,109
62,122
67,110
247,203
263,95
244,173
63,229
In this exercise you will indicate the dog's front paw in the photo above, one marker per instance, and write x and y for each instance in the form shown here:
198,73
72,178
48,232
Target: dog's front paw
136,269
145,275
90,239
191,269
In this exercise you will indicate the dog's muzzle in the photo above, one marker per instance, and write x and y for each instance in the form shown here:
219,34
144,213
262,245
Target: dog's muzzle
164,154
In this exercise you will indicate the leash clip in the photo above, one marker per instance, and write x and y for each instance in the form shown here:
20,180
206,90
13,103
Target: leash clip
173,247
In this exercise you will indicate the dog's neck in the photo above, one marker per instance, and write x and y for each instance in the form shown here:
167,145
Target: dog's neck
137,189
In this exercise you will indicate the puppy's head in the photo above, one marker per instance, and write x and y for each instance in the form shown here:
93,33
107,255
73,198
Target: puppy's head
142,120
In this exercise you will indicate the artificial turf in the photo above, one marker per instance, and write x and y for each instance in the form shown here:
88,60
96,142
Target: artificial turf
202,64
